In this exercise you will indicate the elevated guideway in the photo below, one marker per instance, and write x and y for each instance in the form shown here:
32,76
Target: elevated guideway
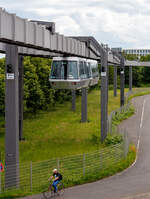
20,36
42,42
136,63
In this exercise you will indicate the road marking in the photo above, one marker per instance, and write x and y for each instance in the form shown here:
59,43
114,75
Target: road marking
138,144
142,116
139,195
141,124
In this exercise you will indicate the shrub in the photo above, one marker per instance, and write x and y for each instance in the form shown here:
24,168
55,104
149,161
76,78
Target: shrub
95,139
112,140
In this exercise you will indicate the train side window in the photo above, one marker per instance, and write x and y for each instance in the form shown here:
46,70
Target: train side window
94,67
82,70
86,70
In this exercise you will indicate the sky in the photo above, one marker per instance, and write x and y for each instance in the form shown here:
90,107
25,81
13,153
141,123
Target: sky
118,23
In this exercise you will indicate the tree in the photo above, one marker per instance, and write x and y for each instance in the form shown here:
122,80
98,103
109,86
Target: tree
33,94
137,71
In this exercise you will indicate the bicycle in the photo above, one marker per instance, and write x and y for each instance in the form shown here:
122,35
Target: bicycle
50,193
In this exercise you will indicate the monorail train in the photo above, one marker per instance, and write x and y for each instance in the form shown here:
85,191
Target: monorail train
73,73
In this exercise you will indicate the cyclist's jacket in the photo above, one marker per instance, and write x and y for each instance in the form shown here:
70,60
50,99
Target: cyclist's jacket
57,175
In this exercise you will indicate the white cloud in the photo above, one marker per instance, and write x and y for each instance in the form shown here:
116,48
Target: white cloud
116,22
67,26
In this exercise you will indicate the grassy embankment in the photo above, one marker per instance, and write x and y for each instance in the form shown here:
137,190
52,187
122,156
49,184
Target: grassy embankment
59,132
90,177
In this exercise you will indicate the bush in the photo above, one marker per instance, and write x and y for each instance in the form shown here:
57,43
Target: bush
95,139
112,140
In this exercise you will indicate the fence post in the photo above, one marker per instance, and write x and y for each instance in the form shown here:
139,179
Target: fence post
84,164
0,181
111,115
31,176
58,164
101,159
126,146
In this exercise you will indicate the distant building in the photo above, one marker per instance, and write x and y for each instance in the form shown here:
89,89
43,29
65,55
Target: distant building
138,52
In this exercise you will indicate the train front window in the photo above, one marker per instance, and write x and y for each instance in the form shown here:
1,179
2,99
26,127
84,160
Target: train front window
64,70
58,70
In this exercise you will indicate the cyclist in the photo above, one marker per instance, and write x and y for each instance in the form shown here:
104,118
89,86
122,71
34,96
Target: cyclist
56,177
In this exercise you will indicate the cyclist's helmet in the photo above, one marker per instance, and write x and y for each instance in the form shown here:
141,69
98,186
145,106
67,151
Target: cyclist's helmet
54,170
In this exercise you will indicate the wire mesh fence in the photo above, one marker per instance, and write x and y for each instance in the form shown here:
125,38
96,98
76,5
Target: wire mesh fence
33,177
116,114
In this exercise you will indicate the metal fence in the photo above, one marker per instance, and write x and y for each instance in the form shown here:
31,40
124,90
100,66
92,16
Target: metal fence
112,128
116,114
33,177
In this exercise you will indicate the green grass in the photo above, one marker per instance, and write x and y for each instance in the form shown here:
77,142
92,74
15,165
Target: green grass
119,117
139,94
59,133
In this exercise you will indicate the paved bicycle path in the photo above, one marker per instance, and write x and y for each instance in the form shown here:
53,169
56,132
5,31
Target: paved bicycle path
133,181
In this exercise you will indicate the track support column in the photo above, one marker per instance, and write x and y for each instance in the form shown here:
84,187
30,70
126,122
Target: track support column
12,118
104,94
73,100
122,79
115,80
130,78
84,105
21,95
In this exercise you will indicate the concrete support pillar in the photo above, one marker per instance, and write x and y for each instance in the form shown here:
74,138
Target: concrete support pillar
84,105
11,118
104,94
21,95
122,80
130,78
73,100
115,80
107,71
